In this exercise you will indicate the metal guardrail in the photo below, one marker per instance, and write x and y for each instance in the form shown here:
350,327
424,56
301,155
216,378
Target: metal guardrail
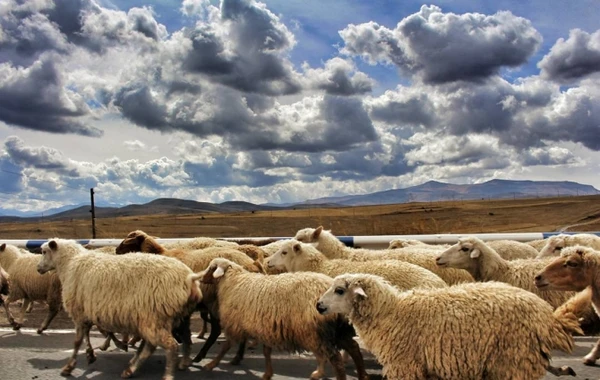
374,242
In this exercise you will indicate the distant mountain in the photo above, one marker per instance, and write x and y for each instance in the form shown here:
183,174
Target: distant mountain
431,191
437,191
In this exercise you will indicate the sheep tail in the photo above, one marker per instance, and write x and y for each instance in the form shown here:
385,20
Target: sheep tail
566,325
192,282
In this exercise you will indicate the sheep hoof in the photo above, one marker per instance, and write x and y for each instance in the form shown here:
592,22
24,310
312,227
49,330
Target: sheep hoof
316,375
199,357
210,366
267,377
184,364
589,361
90,356
236,360
127,373
66,370
200,336
121,346
104,347
16,326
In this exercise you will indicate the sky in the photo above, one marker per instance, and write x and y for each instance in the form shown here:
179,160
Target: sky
286,100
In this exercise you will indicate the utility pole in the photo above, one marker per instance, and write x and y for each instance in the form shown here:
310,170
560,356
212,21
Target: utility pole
93,211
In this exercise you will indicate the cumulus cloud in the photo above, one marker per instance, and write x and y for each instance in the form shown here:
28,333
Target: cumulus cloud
38,158
442,47
576,57
338,77
36,98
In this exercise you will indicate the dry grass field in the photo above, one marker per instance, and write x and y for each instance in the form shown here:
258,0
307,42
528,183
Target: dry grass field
480,216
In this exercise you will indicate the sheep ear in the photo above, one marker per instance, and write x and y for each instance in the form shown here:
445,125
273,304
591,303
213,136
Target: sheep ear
53,245
475,253
297,248
3,247
358,290
219,272
317,232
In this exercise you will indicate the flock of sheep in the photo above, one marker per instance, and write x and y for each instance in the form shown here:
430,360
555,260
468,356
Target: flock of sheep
472,310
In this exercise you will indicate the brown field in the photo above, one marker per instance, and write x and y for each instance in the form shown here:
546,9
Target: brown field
482,216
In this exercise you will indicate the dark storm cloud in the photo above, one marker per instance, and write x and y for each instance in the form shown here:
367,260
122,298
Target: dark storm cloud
35,98
395,107
444,47
39,158
221,173
137,104
254,60
573,58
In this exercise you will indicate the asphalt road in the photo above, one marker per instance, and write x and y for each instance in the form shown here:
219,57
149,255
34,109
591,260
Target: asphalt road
27,356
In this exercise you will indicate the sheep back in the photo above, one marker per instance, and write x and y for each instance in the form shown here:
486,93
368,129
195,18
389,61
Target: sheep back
473,329
155,292
513,250
254,305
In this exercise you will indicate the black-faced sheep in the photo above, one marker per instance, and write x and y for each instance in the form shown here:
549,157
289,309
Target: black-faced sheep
556,243
27,284
290,326
143,295
295,256
453,333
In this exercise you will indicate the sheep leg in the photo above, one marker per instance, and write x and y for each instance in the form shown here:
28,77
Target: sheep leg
169,344
215,362
89,352
239,355
186,336
320,371
268,362
143,353
133,341
29,308
215,331
205,319
562,371
590,359
17,325
9,316
53,309
338,365
68,368
352,348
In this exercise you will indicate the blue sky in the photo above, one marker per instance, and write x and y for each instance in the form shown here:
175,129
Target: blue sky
285,100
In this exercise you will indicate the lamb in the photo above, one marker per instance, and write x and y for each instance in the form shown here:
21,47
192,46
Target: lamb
157,294
28,285
290,326
333,248
197,260
466,341
484,264
577,270
295,256
557,242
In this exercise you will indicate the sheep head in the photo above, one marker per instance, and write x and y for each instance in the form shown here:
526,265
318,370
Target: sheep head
341,296
460,255
47,263
568,272
554,246
285,255
309,235
217,269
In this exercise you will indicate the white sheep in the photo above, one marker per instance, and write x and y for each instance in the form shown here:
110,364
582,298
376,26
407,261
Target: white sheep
200,243
258,306
453,333
557,242
295,256
144,295
27,284
484,264
538,244
404,243
424,257
512,250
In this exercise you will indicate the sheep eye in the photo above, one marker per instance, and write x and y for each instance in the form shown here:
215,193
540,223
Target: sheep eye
464,249
571,264
339,291
284,253
559,248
